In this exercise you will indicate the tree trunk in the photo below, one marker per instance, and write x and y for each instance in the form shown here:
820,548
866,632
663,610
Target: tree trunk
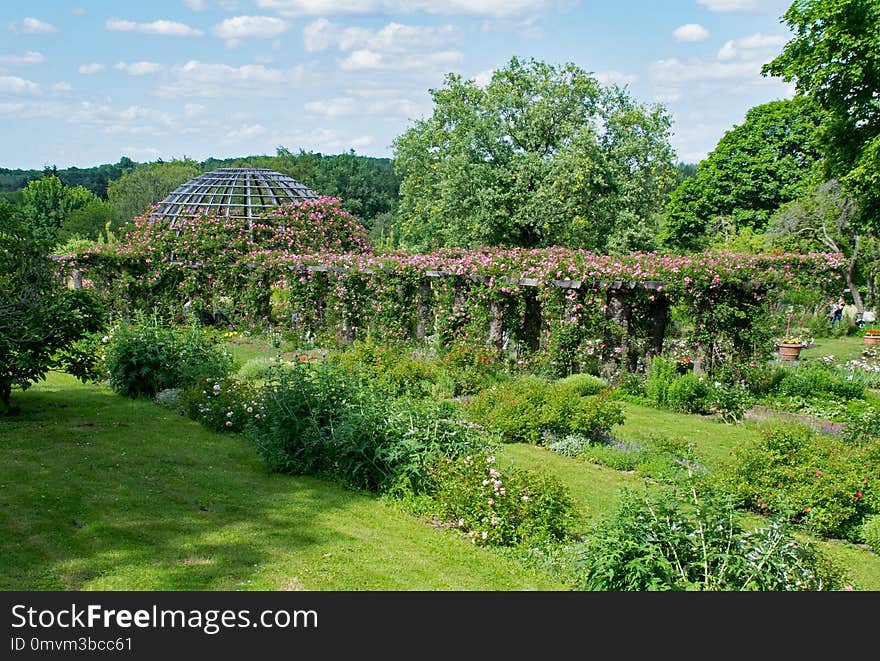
851,280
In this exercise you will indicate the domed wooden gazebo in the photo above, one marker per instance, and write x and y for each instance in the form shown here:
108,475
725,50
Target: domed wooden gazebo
231,192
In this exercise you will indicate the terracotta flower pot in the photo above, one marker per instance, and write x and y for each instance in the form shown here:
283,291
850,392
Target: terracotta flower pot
871,340
790,351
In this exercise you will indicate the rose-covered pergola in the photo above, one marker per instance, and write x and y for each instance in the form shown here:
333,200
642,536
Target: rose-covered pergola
307,267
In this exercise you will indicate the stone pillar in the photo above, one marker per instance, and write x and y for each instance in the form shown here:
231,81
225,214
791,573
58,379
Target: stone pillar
532,321
496,325
424,316
659,310
618,311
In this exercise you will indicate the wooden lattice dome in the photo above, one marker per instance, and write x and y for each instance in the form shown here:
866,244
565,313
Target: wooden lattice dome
231,192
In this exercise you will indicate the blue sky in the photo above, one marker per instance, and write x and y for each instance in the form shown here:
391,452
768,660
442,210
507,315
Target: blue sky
84,82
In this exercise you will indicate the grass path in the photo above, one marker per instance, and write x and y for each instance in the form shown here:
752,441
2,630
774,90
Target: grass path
99,492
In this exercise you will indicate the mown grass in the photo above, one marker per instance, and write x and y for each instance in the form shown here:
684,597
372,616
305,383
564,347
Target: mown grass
99,492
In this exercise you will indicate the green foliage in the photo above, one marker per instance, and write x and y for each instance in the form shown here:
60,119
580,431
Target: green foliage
257,369
834,59
822,482
582,385
321,419
143,358
503,507
691,541
221,404
148,183
756,166
863,426
48,205
688,394
661,373
870,532
657,457
39,317
816,378
532,410
506,164
391,369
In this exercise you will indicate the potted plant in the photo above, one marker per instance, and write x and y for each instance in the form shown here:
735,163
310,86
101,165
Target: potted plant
790,347
872,336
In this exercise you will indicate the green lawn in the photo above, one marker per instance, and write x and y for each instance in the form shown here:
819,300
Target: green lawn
99,492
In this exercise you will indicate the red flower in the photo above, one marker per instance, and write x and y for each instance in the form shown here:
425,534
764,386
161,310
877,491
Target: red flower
858,495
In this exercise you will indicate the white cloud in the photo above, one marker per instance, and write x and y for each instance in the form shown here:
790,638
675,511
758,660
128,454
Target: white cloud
62,86
757,46
483,78
233,30
11,108
364,59
161,27
394,37
246,132
196,5
616,78
141,68
676,71
202,79
324,140
338,107
34,26
729,5
690,32
491,8
92,67
191,110
17,85
31,57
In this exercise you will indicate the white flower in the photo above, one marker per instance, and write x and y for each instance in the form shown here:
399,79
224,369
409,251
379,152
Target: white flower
229,423
525,498
229,414
484,534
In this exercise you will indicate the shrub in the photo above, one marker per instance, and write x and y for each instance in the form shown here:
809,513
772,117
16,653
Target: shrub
258,369
500,507
818,378
391,369
692,542
863,426
661,373
222,404
871,532
532,410
730,401
632,384
582,385
820,481
320,419
145,358
762,379
688,394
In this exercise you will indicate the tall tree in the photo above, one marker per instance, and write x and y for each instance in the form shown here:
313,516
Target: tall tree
766,161
542,155
825,219
834,58
47,203
39,317
133,193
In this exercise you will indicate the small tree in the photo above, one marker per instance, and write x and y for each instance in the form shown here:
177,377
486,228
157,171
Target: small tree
39,317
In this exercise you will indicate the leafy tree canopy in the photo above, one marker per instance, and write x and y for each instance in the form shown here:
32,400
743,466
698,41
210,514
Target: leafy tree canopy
147,184
543,155
757,166
39,317
47,203
834,58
